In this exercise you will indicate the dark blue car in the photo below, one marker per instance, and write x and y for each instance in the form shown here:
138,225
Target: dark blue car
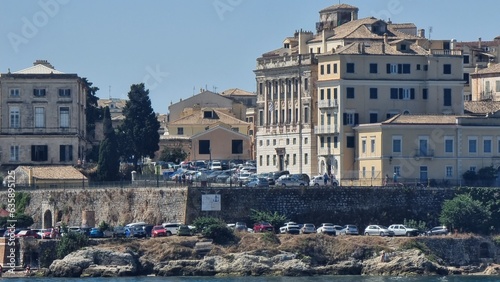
96,233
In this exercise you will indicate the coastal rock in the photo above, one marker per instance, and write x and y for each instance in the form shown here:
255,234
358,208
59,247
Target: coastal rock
95,262
409,262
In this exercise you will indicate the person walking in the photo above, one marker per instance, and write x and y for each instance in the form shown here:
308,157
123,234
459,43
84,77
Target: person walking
386,180
325,178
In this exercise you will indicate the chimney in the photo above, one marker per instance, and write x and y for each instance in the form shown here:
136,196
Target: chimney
44,63
479,43
421,33
385,38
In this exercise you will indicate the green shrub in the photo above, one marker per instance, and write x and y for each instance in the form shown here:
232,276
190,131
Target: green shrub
71,242
220,234
201,223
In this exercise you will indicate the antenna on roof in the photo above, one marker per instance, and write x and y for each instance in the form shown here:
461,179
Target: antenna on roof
109,93
430,31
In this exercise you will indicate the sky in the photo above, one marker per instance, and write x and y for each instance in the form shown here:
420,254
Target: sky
177,47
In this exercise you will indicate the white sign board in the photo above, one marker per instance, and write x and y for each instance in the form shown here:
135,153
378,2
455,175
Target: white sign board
210,202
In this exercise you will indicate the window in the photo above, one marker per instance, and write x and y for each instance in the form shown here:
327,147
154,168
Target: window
397,170
322,94
497,86
328,93
328,70
306,158
446,69
363,146
294,160
322,69
14,153
288,141
350,68
425,93
39,117
180,131
14,92
426,67
350,142
373,172
39,92
423,174
406,94
447,97
65,153
267,142
373,68
373,93
306,115
372,145
335,141
403,47
350,118
39,153
294,141
418,66
328,119
64,117
472,168
334,68
472,145
403,93
448,145
350,92
363,172
397,144
487,145
322,141
261,143
274,142
261,160
261,118
274,160
449,171
204,147
467,79
373,117
398,68
15,117
64,92
466,59
237,147
267,160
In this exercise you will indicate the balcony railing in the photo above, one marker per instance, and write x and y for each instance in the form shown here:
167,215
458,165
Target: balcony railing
331,103
446,52
39,131
326,129
422,153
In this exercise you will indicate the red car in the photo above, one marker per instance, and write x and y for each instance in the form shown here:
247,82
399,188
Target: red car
262,227
27,233
158,231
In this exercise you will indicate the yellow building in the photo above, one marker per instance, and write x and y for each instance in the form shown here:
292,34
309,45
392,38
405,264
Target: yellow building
426,149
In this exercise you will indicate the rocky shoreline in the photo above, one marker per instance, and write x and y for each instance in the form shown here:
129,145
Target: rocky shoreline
257,255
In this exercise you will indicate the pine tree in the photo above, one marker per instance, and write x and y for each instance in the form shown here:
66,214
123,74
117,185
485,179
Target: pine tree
138,135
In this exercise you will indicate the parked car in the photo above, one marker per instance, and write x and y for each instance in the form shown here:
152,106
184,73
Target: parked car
222,177
171,227
326,228
378,230
301,176
401,230
263,227
184,230
135,231
240,226
438,230
273,176
158,231
308,228
215,165
258,182
148,228
119,232
319,180
41,233
290,228
27,234
96,233
349,229
286,180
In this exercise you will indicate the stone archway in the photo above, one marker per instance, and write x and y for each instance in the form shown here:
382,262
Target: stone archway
484,250
47,219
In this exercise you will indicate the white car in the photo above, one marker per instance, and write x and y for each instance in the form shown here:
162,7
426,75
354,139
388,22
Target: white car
326,228
290,228
216,165
401,230
319,180
286,180
377,230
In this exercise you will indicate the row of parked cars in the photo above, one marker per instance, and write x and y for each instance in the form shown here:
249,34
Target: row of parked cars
349,229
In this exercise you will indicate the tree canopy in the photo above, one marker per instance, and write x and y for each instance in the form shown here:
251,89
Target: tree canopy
138,135
109,160
465,214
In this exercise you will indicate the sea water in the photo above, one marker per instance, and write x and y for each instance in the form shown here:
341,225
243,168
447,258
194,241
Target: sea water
336,278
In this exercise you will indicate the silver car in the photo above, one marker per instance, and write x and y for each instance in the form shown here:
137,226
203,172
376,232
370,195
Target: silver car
308,228
378,230
286,180
349,229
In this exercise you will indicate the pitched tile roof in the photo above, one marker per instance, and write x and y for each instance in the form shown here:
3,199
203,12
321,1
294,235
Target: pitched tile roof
481,107
54,172
338,6
197,117
38,69
494,68
422,119
237,92
379,48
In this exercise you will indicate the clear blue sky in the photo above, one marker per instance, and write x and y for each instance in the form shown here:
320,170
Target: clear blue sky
175,46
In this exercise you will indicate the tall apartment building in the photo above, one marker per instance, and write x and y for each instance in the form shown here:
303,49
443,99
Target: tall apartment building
318,87
42,116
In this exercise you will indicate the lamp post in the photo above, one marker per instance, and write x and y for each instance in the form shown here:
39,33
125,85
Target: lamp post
210,152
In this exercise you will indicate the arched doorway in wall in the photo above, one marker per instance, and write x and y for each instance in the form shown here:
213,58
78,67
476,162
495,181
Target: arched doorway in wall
59,216
47,219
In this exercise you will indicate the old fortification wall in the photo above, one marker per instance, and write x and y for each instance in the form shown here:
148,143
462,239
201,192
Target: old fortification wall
359,206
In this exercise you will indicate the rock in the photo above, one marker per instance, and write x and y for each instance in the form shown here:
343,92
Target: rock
492,270
94,262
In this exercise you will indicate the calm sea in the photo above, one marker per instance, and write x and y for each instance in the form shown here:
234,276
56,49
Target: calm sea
274,279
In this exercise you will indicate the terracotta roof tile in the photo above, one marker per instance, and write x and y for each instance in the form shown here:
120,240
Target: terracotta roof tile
422,119
481,107
222,116
54,172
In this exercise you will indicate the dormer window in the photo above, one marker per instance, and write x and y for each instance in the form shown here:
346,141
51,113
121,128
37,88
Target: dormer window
208,114
287,46
403,47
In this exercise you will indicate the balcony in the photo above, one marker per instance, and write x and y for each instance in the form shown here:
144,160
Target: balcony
331,103
326,129
446,52
39,131
423,154
325,151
